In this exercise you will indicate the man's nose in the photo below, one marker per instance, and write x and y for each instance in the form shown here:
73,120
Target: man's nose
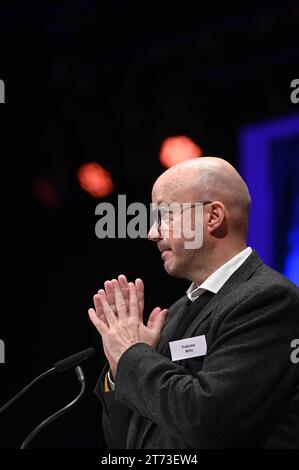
154,233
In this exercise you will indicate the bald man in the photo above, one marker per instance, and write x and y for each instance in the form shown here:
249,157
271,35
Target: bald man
215,371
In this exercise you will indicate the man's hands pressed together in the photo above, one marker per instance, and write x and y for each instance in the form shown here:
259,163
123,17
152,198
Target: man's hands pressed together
118,317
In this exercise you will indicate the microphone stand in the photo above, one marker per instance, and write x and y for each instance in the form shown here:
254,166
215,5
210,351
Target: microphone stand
18,395
60,366
50,419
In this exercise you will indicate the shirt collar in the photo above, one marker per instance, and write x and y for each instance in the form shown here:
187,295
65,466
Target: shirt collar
219,277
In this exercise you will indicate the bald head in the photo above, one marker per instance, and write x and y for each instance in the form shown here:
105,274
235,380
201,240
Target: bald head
207,178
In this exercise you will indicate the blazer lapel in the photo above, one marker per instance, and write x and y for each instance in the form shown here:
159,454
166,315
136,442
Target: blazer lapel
241,275
174,316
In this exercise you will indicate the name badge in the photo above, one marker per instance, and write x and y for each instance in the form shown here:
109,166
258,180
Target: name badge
188,347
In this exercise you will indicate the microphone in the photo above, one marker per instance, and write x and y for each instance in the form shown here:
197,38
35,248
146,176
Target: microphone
59,366
73,360
50,419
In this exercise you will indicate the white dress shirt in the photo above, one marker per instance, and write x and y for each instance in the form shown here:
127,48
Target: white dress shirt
219,277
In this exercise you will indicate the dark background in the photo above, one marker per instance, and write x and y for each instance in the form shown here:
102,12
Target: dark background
87,81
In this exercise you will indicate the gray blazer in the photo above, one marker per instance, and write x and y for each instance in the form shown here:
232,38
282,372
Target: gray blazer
244,393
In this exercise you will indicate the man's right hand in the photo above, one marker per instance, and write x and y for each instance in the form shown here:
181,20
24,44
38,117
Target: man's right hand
123,284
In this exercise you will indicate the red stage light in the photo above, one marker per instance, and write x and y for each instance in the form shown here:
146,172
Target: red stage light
177,149
95,180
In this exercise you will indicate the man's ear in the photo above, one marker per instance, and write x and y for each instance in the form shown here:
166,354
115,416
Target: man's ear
216,219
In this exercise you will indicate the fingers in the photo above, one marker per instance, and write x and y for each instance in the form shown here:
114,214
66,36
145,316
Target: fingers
140,295
98,307
109,289
124,285
161,319
120,303
122,280
134,307
120,289
107,310
152,317
157,319
110,294
98,323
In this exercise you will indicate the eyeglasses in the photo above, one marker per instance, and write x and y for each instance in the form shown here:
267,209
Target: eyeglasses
161,215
